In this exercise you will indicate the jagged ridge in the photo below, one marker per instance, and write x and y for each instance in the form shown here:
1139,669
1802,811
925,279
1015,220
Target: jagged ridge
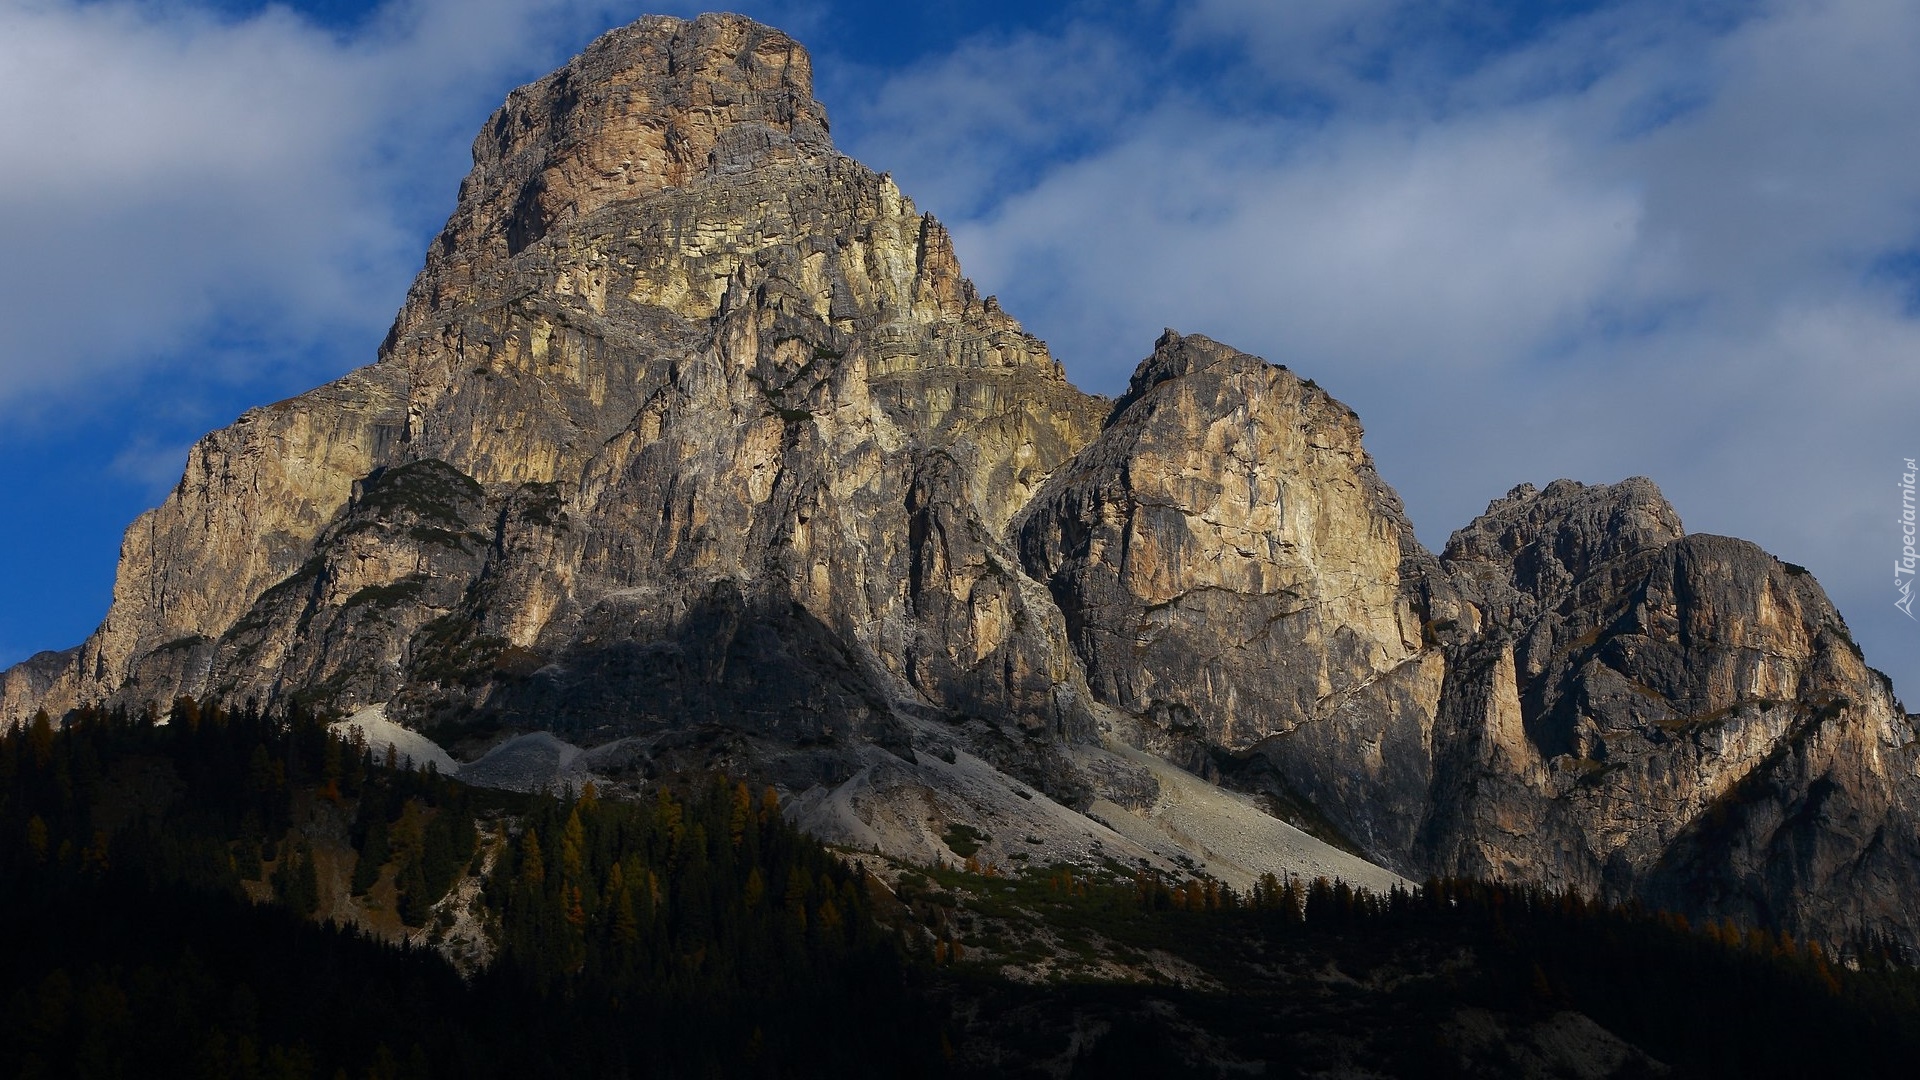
692,434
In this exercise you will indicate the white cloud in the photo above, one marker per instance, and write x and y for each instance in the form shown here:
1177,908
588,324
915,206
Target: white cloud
984,119
1801,165
1330,51
1484,240
1638,242
155,166
172,177
149,465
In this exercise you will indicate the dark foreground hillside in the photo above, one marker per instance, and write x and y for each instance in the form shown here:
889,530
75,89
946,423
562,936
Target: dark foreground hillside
160,887
694,934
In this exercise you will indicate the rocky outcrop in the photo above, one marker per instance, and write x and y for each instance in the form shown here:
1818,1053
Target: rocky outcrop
692,441
688,418
1682,719
1237,578
1224,553
1575,693
27,686
241,524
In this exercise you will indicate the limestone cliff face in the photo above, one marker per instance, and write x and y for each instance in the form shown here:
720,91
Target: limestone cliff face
1575,693
687,417
29,684
1678,718
692,434
1226,525
1234,574
245,516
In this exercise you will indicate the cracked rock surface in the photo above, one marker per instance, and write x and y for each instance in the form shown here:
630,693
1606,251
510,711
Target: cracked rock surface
692,438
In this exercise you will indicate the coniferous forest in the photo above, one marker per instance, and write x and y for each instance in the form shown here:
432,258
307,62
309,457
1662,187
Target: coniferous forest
223,893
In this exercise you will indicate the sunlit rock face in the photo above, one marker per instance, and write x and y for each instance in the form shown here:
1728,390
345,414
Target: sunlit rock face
1680,718
1236,577
692,434
687,417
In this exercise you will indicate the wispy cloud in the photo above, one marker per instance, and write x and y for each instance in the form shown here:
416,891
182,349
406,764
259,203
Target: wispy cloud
999,112
150,465
1662,239
174,179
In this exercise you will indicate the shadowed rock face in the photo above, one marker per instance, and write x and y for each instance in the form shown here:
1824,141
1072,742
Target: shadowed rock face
1238,579
1680,718
1226,529
1575,693
691,429
688,419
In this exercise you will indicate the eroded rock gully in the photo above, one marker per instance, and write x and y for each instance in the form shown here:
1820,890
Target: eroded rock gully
691,433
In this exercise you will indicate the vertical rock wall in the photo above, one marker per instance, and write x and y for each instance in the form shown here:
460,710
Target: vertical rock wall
691,425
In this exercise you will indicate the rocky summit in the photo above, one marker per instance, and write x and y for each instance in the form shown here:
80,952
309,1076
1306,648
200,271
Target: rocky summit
692,447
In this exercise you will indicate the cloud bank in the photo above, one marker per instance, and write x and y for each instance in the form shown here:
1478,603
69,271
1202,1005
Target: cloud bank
1672,240
185,189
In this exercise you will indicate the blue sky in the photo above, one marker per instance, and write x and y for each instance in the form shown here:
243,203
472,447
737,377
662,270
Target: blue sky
1523,240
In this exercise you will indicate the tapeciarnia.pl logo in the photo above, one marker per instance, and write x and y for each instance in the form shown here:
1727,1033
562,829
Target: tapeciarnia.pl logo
1903,567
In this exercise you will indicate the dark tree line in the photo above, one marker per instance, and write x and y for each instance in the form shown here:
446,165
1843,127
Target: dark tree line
699,890
696,933
693,934
1714,1000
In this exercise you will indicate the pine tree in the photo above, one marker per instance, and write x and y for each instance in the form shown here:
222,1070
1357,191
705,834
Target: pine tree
533,869
308,884
438,864
185,713
37,838
40,739
415,905
296,883
246,858
742,812
374,853
332,769
573,842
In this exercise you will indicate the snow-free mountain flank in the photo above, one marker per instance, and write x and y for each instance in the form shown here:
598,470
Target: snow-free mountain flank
692,440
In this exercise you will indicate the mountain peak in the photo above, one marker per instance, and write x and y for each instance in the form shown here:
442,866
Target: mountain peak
693,442
1177,356
655,104
1589,522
